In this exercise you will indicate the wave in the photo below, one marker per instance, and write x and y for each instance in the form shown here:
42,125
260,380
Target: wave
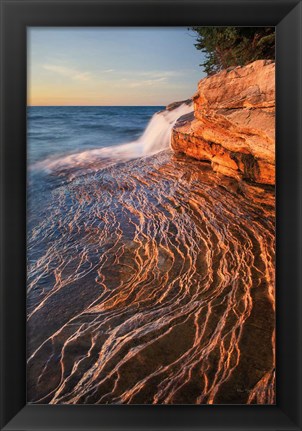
150,281
155,138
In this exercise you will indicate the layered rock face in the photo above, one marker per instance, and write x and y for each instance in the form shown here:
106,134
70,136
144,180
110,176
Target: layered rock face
233,123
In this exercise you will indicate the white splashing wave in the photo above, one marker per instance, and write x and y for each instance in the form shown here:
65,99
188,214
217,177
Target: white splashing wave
155,138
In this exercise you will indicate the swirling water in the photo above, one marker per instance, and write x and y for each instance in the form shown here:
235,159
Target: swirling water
150,278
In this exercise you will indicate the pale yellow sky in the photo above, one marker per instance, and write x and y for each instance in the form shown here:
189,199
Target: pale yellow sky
111,66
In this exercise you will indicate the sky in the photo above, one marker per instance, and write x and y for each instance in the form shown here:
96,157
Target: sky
111,66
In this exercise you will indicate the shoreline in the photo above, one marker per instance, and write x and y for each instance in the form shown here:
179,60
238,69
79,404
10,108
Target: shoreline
157,256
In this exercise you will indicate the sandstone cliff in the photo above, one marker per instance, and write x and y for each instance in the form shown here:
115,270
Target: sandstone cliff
233,124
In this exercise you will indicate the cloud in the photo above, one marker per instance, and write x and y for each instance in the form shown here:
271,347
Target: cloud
147,82
147,78
152,74
116,78
68,72
160,74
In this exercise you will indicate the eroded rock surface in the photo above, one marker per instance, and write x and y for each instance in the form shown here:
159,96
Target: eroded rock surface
233,125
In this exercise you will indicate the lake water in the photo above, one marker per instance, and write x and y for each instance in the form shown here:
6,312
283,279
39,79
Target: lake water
58,130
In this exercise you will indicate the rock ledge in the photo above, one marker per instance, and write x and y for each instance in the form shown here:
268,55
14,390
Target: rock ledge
233,125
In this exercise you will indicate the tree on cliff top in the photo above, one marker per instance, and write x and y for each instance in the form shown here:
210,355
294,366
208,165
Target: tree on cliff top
234,46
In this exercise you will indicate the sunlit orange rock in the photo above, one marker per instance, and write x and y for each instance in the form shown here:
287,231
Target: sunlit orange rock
233,125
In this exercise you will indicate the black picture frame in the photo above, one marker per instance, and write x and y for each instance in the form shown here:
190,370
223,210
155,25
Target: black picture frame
16,16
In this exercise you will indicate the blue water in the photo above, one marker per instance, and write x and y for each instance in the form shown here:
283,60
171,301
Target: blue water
58,130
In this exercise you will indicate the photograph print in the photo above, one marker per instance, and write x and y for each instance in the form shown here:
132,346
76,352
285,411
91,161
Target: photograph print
151,215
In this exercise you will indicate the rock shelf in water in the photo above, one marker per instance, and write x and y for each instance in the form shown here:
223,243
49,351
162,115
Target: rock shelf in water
155,287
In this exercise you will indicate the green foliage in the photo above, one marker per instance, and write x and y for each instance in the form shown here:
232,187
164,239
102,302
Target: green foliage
234,46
